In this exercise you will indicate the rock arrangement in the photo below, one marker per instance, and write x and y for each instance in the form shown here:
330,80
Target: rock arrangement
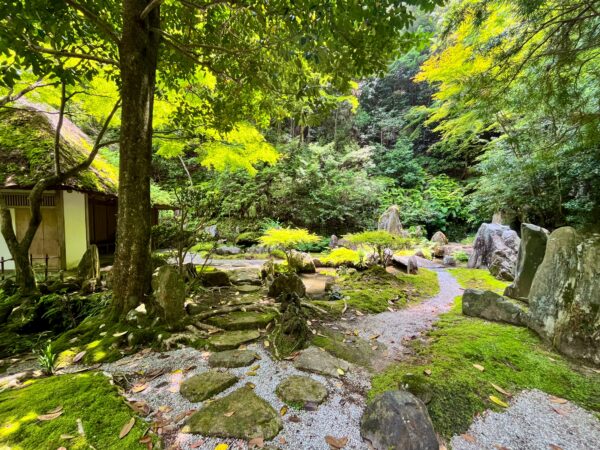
390,221
169,293
496,248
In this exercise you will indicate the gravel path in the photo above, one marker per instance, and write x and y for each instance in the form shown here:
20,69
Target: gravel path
394,328
533,421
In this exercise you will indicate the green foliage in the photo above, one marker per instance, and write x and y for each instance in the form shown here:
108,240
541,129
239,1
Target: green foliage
342,256
288,238
461,256
47,359
478,279
316,247
513,357
89,397
380,240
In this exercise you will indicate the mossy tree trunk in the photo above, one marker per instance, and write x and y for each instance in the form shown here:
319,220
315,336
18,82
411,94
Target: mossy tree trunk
138,49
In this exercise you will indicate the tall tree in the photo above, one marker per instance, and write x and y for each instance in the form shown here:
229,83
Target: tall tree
261,53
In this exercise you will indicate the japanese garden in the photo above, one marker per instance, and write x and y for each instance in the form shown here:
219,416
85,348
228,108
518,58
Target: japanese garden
308,224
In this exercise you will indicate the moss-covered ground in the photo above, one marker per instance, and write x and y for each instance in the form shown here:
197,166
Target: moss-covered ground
88,397
478,279
513,358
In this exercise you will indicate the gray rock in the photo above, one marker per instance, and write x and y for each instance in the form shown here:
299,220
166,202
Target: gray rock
531,254
564,298
315,360
397,420
228,250
407,264
232,358
449,260
253,417
212,231
390,221
214,278
333,241
89,266
245,276
247,288
286,283
495,248
205,385
169,292
302,262
232,339
439,238
491,306
298,389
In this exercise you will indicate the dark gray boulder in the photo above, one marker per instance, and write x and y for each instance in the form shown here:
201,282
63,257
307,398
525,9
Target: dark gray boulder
491,306
531,254
286,283
495,248
397,420
565,295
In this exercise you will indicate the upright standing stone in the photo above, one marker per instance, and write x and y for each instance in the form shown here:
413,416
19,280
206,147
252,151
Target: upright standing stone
169,293
531,254
495,248
390,221
89,266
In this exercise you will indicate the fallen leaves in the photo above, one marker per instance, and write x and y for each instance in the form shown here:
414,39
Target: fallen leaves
479,367
258,442
427,372
555,447
498,402
147,441
139,387
229,414
558,400
283,411
127,428
79,356
469,438
502,391
52,414
336,443
340,371
222,447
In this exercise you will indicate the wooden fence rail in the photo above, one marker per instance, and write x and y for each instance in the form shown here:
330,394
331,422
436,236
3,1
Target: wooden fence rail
46,260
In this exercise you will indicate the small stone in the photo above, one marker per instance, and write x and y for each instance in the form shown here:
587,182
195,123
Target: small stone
253,417
232,339
247,288
205,385
299,389
242,320
318,361
232,358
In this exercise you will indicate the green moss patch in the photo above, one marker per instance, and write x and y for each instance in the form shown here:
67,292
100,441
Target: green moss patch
349,348
89,397
478,279
512,357
242,320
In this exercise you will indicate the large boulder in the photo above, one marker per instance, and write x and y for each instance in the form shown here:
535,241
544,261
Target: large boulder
439,238
89,266
564,297
169,293
214,278
302,262
495,248
390,221
491,306
397,420
531,254
286,283
228,250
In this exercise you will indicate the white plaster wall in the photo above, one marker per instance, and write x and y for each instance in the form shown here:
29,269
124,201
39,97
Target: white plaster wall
76,234
4,248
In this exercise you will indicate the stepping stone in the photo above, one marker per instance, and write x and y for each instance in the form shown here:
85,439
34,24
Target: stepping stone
247,288
298,389
241,415
319,361
245,276
232,358
241,320
232,339
205,385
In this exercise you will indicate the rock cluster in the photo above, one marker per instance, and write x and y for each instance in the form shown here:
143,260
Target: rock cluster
496,248
390,221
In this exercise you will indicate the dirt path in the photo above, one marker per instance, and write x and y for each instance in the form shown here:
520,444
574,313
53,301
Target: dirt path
395,328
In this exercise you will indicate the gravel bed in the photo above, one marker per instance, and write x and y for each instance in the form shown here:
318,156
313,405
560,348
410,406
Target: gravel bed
338,416
533,421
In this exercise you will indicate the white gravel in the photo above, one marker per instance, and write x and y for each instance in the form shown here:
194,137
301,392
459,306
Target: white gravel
533,421
339,415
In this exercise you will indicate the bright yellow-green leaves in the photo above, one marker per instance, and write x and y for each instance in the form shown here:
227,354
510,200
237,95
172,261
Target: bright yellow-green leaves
288,238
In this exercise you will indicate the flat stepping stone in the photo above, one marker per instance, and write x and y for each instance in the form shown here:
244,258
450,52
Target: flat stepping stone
315,360
247,288
245,276
232,339
205,385
232,358
298,389
242,320
240,415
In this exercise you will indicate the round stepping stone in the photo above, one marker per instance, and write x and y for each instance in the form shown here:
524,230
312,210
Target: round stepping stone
242,320
232,358
241,415
315,360
232,339
298,389
203,386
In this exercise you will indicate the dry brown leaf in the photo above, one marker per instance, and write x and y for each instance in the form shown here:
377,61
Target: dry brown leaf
55,410
560,411
127,428
78,356
390,309
336,443
165,409
251,373
560,401
50,416
173,388
229,414
501,447
479,367
197,444
283,411
256,442
468,438
139,387
375,336
67,436
443,447
555,447
282,440
61,448
502,391
427,372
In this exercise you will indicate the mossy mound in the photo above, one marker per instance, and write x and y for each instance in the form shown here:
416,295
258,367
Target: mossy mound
232,358
232,339
355,350
241,414
205,385
242,320
478,279
89,397
513,358
301,390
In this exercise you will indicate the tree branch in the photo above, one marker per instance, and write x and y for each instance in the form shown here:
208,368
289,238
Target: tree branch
148,9
64,54
105,27
9,98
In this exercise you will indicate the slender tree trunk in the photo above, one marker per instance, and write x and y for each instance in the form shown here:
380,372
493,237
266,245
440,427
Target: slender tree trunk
138,58
25,277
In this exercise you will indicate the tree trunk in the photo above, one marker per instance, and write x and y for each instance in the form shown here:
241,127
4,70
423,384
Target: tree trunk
138,59
25,277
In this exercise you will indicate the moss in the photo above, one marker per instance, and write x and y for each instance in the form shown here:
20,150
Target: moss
89,397
354,350
478,279
514,358
243,320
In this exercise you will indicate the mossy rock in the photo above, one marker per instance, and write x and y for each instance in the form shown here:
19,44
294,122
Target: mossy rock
242,320
300,390
318,361
205,385
214,278
417,385
232,358
232,339
355,350
252,417
247,288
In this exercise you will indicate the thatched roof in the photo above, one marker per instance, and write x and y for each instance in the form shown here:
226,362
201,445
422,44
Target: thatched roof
26,151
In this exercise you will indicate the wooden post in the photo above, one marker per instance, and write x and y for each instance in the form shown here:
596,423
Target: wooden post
2,267
46,268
